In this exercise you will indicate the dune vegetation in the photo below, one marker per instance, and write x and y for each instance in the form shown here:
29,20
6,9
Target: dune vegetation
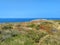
36,32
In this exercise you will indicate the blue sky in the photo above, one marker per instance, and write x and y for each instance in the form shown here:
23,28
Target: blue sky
29,8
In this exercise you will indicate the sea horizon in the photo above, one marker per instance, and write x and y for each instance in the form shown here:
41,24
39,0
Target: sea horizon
3,20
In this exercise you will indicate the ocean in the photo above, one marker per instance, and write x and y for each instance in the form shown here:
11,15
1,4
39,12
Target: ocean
4,20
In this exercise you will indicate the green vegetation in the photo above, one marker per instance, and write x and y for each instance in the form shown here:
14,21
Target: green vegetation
35,35
31,25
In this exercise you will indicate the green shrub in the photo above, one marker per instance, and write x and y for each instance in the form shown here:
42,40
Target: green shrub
31,25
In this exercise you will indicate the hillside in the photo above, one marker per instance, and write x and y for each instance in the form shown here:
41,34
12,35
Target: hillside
35,32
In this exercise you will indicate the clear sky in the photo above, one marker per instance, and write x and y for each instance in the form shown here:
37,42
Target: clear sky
29,8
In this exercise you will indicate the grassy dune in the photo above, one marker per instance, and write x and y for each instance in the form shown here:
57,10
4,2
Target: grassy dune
37,32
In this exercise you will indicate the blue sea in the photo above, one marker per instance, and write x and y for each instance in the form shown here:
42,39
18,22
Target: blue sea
7,20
